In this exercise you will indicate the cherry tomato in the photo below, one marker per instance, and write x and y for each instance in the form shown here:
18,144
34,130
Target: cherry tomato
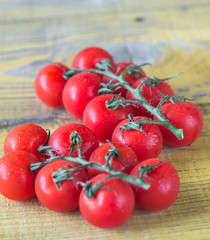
16,180
145,145
89,57
125,165
26,137
111,206
60,140
102,120
78,91
164,186
49,84
151,94
130,78
65,198
183,115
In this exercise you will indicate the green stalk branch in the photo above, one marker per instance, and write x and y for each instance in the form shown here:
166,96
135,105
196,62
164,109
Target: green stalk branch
85,163
153,81
68,172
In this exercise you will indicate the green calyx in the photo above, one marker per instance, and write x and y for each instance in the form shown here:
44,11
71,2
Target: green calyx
137,125
91,189
144,169
113,152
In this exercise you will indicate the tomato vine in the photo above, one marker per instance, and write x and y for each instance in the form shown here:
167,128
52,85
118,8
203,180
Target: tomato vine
64,173
104,69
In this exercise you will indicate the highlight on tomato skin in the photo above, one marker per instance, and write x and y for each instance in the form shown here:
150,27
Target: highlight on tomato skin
60,140
78,91
65,198
16,180
147,144
164,186
126,160
26,137
111,206
49,84
183,115
102,120
88,57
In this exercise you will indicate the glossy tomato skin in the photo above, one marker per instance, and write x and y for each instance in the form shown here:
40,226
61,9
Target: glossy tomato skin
129,78
151,95
145,146
89,57
78,91
164,186
183,115
102,120
60,140
49,84
98,156
16,180
111,206
64,199
26,137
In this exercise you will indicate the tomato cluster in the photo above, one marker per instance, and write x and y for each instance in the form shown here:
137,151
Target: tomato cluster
114,201
79,94
110,153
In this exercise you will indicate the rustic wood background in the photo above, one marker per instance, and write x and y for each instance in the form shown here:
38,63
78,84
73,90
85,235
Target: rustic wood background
172,35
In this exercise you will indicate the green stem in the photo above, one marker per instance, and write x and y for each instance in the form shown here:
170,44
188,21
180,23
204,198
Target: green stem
68,172
136,92
86,163
109,170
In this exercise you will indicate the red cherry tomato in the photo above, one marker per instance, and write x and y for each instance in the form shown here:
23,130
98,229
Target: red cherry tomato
164,186
26,137
16,180
102,120
183,115
126,153
112,205
151,95
89,57
60,140
145,146
64,199
78,91
130,78
49,84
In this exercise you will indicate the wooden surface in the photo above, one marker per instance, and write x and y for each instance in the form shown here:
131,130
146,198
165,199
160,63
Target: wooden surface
173,35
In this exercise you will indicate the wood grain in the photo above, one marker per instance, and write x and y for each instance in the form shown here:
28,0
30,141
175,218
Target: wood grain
172,35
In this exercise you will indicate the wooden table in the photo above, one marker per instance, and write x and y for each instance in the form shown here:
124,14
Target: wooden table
172,35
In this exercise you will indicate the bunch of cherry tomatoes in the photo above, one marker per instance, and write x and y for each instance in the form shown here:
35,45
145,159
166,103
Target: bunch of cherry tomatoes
102,130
